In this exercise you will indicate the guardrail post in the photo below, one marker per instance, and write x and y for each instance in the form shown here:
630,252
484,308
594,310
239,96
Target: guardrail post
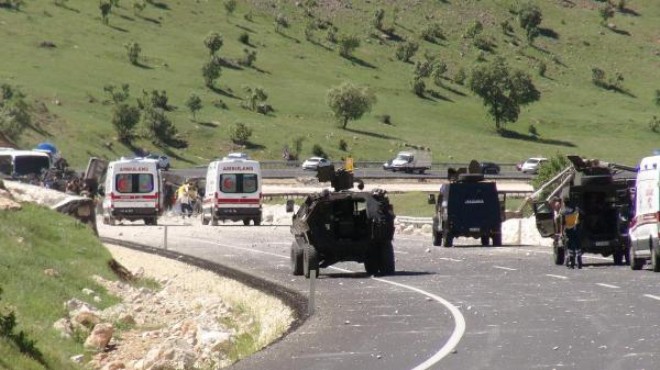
312,291
165,237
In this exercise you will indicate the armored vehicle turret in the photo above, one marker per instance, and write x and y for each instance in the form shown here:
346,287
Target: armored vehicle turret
343,225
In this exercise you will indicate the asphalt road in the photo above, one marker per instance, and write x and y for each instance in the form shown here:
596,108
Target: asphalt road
468,307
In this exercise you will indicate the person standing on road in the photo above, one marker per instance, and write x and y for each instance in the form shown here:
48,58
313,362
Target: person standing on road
183,195
570,215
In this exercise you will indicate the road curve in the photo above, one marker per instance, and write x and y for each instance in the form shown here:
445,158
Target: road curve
520,311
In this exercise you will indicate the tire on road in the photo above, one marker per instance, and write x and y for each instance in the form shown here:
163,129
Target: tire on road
387,259
296,259
559,254
310,261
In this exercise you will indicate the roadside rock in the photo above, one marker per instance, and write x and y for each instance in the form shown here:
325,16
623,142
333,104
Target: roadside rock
100,337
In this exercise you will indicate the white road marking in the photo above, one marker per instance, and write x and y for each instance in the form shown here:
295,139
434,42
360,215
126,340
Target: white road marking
608,286
450,259
556,276
505,268
456,335
446,349
652,296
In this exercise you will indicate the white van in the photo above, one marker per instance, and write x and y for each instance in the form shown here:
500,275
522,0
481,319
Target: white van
233,192
132,190
19,163
645,225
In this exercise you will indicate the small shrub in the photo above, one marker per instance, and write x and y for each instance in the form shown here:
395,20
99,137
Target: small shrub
211,71
105,7
377,21
133,50
418,87
474,29
386,119
281,21
460,76
240,133
482,43
331,35
213,41
318,151
542,68
249,57
532,131
343,145
248,16
264,108
654,124
244,38
220,104
348,44
656,99
598,77
406,51
230,6
124,119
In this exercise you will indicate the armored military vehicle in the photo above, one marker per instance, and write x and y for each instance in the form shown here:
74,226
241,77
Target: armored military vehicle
343,225
602,193
468,206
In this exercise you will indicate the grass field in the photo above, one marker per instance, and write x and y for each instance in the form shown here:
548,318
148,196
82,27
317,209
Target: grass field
573,115
33,240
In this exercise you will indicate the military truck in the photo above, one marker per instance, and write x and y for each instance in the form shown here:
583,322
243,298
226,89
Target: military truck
468,206
342,225
602,192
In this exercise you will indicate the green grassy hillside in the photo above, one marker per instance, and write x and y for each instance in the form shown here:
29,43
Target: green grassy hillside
33,240
573,116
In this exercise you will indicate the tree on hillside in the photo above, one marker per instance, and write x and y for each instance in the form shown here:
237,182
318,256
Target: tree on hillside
657,98
281,21
194,104
230,6
606,12
529,18
347,45
124,119
503,91
14,112
117,95
211,71
240,133
133,50
350,102
377,21
213,41
138,6
105,6
406,51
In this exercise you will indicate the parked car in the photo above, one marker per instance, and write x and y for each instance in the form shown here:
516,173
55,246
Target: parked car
313,163
531,165
163,161
489,168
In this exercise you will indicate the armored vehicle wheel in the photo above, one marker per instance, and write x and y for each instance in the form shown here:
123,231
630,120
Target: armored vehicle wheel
387,259
257,221
296,259
310,261
447,239
484,240
559,254
205,221
437,238
617,256
371,264
497,240
246,221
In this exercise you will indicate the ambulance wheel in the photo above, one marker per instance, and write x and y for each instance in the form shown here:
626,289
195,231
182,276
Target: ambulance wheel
655,259
205,221
257,221
485,240
246,221
296,259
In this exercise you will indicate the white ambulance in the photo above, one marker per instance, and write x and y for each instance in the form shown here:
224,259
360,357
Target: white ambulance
645,226
133,191
233,192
